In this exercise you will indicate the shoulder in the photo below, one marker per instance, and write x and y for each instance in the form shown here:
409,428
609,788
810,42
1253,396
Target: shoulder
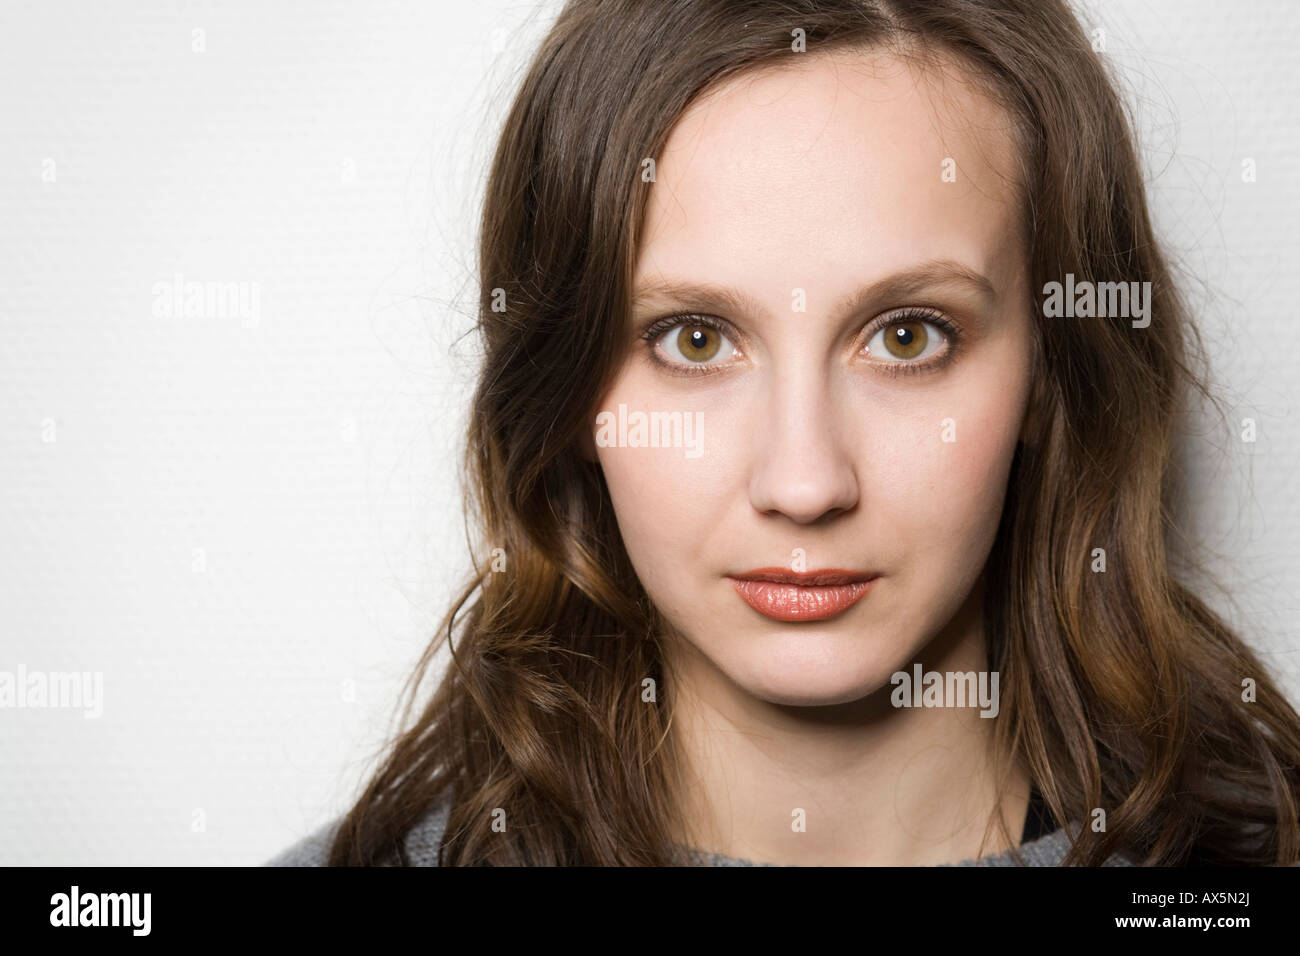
422,841
311,850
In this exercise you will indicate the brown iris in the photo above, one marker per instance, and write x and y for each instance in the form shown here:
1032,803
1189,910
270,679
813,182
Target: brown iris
906,340
699,343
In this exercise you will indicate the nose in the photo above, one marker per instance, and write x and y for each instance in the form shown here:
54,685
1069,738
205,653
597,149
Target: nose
802,468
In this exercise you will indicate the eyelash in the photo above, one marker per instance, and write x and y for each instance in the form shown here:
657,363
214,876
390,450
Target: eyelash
952,333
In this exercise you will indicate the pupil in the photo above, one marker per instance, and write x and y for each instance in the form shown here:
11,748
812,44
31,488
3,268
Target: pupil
904,336
698,339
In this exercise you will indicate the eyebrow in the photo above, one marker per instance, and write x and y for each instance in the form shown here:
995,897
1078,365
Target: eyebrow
893,290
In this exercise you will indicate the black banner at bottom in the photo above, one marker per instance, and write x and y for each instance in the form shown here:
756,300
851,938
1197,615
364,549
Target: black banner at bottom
484,906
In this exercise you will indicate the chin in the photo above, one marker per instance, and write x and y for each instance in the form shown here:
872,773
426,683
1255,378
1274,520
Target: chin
829,692
802,675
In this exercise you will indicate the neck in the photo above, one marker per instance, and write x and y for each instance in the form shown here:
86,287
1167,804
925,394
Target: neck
877,785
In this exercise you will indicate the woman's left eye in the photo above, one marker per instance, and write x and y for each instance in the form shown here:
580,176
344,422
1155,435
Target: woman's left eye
905,341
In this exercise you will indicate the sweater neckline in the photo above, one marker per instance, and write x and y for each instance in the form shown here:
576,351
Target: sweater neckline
1037,828
708,858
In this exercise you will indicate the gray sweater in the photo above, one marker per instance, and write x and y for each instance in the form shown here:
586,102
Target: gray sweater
423,840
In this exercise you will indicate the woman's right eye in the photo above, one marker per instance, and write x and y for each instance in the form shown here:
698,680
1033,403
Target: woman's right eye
694,345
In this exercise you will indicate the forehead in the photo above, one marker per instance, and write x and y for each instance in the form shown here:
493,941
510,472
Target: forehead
855,164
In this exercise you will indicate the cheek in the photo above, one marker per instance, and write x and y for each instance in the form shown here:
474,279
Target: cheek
943,486
671,504
660,506
647,490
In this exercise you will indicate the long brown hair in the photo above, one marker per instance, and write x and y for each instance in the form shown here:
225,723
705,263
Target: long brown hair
1121,692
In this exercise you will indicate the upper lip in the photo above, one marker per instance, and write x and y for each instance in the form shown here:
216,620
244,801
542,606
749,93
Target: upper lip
826,576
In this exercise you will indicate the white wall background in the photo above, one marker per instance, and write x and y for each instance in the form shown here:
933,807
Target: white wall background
250,524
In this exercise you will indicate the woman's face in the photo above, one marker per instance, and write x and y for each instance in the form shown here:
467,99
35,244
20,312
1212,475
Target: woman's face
845,232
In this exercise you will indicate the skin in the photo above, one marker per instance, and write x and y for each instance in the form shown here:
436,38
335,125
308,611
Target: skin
825,176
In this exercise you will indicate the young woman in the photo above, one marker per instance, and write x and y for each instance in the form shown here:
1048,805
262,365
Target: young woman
813,530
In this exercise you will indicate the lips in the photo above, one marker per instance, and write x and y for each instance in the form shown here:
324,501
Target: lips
785,595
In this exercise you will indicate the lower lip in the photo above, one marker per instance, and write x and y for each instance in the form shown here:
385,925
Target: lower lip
798,602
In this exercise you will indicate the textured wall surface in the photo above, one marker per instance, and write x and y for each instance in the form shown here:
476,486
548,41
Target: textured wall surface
245,516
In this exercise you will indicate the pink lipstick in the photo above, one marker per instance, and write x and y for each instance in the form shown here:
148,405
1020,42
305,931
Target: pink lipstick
802,595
